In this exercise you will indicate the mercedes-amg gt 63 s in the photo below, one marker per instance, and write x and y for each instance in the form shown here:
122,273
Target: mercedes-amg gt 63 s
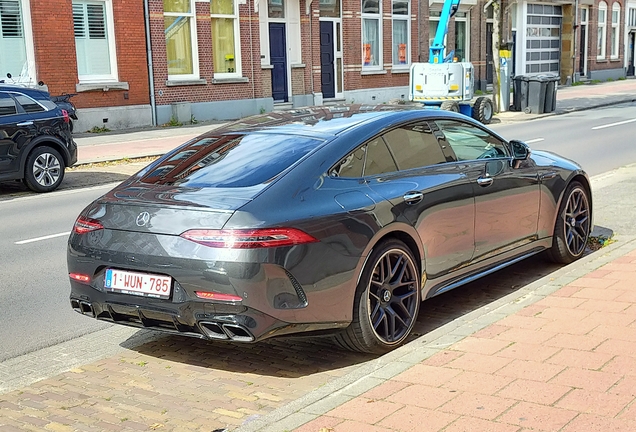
329,219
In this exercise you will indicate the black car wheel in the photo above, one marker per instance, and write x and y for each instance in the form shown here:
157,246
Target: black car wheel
483,110
572,226
387,300
44,169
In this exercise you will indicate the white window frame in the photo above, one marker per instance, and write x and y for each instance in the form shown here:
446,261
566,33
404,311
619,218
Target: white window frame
466,20
192,16
377,17
112,46
237,42
616,8
406,18
602,26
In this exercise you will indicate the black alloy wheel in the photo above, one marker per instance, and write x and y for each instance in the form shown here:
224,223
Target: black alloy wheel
44,169
387,300
573,225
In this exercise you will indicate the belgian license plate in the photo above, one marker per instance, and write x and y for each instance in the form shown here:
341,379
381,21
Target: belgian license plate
138,283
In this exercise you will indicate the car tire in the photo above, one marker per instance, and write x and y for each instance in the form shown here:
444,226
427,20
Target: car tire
483,110
573,225
44,170
386,304
450,106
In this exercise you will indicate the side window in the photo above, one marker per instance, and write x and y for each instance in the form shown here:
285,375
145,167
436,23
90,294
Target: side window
28,104
351,166
414,146
379,160
469,142
7,105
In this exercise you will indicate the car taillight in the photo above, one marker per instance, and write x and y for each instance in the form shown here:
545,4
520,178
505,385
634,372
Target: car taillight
66,116
217,296
80,277
248,238
84,225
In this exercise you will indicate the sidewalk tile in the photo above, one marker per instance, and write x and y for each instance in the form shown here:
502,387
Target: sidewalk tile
570,327
534,391
478,382
525,335
580,342
479,363
354,426
611,318
604,306
364,410
410,419
586,379
567,291
566,313
478,405
622,275
385,389
629,414
560,302
537,417
622,365
527,369
622,333
442,358
527,351
603,404
594,423
492,330
321,423
422,396
617,347
592,285
524,322
532,310
472,424
479,345
580,359
429,375
598,293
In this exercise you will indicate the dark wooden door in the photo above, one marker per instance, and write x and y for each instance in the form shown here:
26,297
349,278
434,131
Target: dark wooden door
489,64
278,59
327,60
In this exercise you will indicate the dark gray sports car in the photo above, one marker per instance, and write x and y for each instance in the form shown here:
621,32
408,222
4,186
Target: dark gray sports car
328,219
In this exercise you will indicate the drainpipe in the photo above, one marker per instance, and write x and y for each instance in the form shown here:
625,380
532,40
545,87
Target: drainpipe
151,74
575,26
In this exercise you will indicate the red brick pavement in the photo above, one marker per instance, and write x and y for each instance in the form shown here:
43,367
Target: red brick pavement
566,363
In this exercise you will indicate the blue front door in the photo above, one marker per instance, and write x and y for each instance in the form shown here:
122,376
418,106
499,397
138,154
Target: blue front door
278,59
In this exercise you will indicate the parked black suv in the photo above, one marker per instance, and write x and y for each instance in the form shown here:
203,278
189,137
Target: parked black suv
36,144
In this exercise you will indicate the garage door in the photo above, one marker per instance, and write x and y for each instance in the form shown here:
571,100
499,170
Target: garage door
543,38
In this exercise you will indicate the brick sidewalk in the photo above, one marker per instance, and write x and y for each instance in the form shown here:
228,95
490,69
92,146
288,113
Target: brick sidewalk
566,363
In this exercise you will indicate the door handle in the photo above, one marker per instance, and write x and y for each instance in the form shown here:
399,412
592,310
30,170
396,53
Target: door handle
26,123
413,197
484,181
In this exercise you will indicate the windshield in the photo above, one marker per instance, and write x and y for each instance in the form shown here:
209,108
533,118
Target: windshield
230,161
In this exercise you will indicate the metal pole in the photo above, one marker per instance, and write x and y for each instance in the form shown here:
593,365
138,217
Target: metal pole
151,74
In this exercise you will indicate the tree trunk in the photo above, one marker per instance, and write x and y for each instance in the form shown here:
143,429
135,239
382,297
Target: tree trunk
496,39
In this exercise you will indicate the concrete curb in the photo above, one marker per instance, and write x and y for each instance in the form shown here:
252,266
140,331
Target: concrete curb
375,372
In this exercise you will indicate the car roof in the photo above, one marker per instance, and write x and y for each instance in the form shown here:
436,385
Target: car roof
22,89
328,121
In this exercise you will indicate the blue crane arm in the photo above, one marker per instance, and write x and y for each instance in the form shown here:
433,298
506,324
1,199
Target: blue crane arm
437,48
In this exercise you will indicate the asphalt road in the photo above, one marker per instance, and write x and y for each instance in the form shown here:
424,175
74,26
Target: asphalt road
600,140
34,287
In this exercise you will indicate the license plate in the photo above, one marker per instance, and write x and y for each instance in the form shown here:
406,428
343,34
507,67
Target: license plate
138,283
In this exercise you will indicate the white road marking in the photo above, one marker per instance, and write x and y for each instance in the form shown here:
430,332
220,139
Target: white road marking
59,193
536,140
21,242
614,124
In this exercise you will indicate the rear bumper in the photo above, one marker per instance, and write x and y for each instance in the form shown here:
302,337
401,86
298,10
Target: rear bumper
200,319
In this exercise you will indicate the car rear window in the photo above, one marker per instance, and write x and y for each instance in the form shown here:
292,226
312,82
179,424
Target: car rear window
28,104
7,105
230,161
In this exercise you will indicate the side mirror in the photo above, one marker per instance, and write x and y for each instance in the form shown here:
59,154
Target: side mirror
520,150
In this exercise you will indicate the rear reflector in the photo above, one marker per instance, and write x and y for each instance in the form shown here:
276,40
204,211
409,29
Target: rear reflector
217,296
84,225
80,277
249,239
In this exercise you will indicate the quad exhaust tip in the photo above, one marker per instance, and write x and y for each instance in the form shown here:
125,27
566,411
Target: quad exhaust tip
233,332
82,307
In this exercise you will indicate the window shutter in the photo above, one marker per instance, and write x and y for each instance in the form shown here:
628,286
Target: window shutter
96,21
78,20
10,19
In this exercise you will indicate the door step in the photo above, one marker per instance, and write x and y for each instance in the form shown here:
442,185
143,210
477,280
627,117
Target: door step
283,106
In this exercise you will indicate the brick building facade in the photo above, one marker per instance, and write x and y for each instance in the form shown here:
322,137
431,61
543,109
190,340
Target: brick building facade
93,48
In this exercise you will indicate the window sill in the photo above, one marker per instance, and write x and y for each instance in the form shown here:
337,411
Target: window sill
298,66
176,83
601,60
230,80
615,59
400,70
373,72
101,86
267,66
